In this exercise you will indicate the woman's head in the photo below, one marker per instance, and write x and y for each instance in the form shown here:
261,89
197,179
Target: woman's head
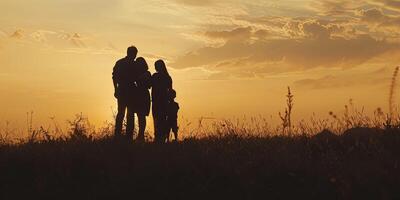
161,67
142,63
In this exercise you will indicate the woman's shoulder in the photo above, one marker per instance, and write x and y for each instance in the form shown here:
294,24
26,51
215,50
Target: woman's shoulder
145,75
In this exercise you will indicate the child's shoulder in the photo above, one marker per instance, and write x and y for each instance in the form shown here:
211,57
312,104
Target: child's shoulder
176,104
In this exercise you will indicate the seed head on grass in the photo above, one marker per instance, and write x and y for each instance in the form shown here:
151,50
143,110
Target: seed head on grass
392,92
286,119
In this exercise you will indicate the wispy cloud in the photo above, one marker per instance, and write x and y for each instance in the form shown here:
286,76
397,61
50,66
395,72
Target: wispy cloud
196,2
377,77
387,4
336,8
58,41
18,34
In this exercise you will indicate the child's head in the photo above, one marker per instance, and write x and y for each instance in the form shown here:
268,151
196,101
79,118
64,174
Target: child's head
172,94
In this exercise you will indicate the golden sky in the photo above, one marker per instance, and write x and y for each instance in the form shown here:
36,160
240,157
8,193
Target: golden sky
227,57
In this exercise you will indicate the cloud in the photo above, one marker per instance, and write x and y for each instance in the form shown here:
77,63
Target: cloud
323,83
378,20
197,73
77,40
388,4
340,80
318,28
196,2
264,22
74,39
392,4
379,15
304,44
61,41
153,56
18,34
3,35
219,76
235,34
374,16
314,29
41,35
336,7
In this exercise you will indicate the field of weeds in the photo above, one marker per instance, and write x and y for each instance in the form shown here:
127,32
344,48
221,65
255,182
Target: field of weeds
359,163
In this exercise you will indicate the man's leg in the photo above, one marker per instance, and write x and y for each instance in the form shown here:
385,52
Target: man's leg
142,127
130,123
167,134
120,117
175,130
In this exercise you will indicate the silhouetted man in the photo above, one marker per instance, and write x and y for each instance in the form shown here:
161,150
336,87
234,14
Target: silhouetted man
124,85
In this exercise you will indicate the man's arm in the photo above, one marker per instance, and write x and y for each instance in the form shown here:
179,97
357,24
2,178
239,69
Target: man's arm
115,82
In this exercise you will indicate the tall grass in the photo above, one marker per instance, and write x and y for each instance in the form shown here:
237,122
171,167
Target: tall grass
230,161
392,94
353,116
287,117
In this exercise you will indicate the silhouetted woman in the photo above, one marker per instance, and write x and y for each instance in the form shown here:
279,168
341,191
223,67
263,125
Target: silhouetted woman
161,86
143,96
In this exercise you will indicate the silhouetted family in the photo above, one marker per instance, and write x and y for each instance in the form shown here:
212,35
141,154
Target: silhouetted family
132,82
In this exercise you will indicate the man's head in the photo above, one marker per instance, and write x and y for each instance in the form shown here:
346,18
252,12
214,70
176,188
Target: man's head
132,52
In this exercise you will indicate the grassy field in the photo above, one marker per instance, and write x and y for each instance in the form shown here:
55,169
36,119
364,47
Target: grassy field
241,159
362,163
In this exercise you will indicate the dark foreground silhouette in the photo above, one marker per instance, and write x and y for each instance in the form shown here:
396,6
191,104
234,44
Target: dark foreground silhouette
361,164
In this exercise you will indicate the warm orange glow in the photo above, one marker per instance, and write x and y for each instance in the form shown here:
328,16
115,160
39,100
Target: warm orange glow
227,58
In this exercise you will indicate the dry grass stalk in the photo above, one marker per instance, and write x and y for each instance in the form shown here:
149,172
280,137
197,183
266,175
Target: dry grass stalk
286,119
392,92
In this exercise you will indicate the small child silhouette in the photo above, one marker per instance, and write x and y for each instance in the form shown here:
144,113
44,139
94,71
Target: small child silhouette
172,116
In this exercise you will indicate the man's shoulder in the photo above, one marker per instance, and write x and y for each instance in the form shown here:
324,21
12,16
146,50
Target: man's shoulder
119,64
120,61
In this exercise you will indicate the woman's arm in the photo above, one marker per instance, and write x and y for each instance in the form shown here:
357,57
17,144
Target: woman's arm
148,80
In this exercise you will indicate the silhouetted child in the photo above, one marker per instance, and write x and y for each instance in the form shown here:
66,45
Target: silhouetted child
172,116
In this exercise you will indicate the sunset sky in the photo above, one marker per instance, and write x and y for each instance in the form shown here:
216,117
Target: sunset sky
227,57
